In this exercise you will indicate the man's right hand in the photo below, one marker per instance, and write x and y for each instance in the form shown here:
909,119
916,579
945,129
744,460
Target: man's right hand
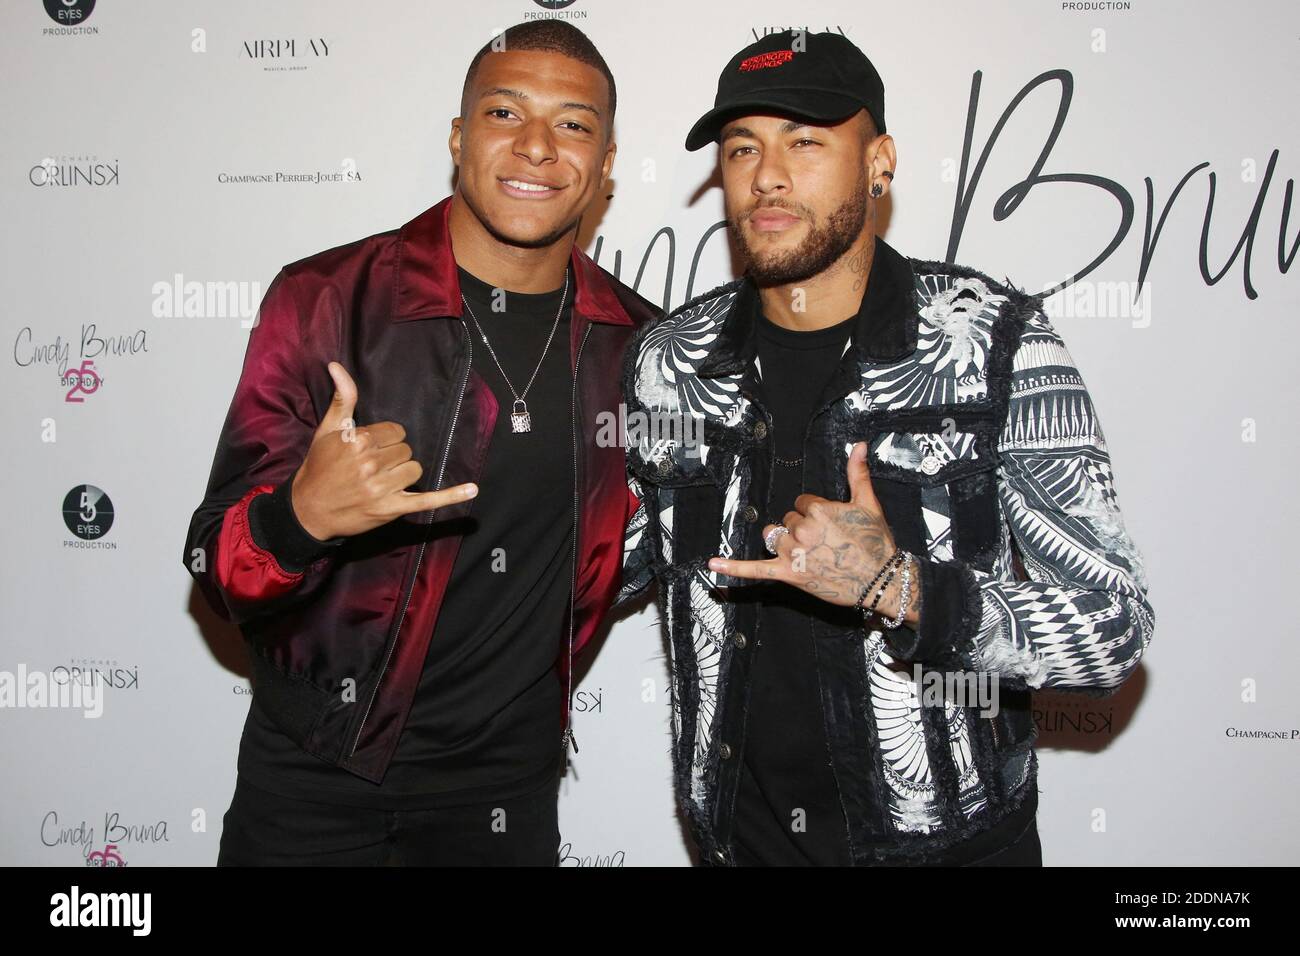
353,479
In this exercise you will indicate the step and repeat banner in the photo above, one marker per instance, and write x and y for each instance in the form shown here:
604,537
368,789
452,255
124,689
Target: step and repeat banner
160,162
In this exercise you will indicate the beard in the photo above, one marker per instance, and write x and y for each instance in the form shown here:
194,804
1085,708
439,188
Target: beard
824,244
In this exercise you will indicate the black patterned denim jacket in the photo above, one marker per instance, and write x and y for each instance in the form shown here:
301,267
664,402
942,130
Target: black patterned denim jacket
991,467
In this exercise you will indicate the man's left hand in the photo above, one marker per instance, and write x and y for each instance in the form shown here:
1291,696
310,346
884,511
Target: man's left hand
834,548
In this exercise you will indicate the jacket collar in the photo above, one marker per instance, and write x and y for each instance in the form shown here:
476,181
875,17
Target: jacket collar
886,328
425,282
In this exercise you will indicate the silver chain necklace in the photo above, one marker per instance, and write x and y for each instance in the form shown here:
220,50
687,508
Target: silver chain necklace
520,420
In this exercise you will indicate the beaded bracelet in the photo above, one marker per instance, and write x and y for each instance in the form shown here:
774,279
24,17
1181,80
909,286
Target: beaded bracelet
904,598
902,558
880,592
890,567
866,588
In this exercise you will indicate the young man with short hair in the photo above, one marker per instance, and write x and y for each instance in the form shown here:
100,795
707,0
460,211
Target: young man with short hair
903,480
408,513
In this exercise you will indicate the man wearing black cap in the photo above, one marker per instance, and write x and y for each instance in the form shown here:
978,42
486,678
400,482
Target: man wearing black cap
913,446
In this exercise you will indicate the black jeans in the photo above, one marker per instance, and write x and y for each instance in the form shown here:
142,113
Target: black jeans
266,829
1025,850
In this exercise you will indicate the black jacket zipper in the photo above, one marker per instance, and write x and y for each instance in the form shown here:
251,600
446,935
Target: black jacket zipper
568,736
410,585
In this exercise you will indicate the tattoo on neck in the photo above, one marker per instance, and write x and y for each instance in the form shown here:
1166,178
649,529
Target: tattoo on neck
860,265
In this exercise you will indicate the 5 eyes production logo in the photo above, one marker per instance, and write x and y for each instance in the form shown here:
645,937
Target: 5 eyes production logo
69,12
88,513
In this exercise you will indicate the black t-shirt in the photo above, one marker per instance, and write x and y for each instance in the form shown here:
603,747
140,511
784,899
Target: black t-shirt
786,766
485,721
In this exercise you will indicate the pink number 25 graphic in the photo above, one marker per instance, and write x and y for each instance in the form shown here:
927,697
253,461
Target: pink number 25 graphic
85,379
108,857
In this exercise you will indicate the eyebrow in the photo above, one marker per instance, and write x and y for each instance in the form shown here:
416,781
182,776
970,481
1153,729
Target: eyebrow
521,95
789,126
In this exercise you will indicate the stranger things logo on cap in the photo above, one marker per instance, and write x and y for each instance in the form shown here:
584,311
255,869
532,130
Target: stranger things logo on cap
820,77
760,60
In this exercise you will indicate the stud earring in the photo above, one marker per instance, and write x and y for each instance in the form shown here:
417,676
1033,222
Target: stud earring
876,190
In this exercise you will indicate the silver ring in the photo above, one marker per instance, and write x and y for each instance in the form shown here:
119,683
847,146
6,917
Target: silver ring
770,537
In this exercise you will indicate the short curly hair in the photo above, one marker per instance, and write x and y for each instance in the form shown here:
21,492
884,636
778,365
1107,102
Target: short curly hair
547,36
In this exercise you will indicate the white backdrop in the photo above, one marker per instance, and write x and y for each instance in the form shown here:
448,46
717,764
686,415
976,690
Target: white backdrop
128,141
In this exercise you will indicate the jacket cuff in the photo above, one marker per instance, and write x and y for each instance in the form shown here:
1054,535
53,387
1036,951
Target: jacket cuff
275,528
951,614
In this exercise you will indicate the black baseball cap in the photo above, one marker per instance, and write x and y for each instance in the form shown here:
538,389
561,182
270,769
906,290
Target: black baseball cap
822,77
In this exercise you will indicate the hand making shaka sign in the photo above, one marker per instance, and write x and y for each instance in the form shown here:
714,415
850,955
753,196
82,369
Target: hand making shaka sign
840,551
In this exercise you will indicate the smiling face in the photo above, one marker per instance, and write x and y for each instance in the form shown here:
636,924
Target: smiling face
533,144
796,194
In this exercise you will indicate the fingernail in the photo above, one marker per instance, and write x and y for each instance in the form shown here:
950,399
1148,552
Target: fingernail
471,491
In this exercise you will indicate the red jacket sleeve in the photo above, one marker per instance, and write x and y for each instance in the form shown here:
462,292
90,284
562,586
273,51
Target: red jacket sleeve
245,548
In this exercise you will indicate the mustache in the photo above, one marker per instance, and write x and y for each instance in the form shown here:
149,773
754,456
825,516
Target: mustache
796,208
